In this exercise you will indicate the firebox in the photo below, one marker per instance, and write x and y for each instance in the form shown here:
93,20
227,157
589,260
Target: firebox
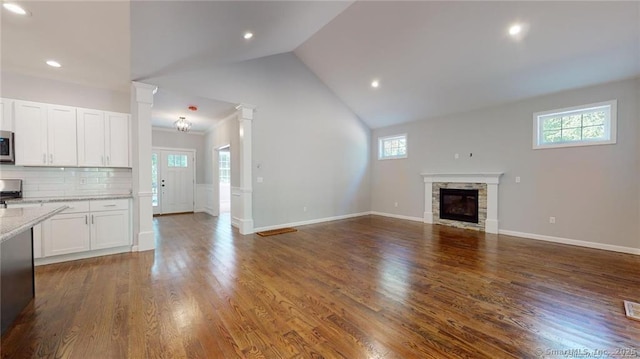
459,204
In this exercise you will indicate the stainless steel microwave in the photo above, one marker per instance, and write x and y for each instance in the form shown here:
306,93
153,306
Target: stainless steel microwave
7,152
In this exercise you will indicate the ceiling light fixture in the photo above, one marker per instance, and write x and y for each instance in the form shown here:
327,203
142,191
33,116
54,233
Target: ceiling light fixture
182,124
53,63
375,83
15,8
515,29
248,35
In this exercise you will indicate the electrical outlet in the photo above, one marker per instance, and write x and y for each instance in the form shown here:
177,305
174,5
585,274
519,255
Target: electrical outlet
517,179
456,156
304,209
395,204
552,220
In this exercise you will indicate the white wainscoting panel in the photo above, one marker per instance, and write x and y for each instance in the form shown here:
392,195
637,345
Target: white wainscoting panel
204,199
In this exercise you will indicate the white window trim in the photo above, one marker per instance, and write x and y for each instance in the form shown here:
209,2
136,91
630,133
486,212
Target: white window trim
382,139
610,127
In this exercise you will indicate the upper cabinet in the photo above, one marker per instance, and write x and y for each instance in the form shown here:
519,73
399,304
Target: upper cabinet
103,139
6,115
54,135
45,135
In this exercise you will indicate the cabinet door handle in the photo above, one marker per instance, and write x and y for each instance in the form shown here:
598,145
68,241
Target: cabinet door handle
92,219
44,158
51,158
109,205
86,219
108,160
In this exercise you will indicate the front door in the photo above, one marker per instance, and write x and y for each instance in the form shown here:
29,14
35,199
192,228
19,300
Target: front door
174,181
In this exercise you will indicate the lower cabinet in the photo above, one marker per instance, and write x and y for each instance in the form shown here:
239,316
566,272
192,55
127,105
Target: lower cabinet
85,226
66,233
109,229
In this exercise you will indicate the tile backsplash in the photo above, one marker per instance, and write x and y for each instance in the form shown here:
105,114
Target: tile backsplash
56,181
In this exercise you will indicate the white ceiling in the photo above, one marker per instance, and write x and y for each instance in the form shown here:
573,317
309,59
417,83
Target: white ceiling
168,105
432,58
91,39
438,58
175,37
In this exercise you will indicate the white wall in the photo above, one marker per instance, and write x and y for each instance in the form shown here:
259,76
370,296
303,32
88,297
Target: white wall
592,191
175,139
312,150
225,133
29,88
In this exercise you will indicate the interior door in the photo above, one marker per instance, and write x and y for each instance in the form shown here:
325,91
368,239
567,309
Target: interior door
176,181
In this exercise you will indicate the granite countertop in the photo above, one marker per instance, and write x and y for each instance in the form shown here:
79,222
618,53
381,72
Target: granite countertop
67,198
16,220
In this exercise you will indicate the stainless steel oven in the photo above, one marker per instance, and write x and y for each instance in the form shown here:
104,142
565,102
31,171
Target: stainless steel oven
7,152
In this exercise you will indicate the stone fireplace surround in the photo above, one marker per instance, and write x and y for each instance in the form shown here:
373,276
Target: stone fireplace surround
491,179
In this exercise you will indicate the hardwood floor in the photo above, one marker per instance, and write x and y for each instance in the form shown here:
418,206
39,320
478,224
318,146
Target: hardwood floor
368,287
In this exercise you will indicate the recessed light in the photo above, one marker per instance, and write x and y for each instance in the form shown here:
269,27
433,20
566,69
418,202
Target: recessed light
375,83
15,8
248,35
53,63
515,29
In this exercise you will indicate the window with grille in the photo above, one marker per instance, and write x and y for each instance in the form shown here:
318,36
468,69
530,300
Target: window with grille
224,165
392,147
593,124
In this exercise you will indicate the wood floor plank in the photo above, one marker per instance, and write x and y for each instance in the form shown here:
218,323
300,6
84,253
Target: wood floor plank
367,287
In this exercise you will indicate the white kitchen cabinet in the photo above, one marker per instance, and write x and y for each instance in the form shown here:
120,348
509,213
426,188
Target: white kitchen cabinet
30,126
85,229
66,233
103,138
61,139
91,138
87,226
6,114
45,135
109,229
117,139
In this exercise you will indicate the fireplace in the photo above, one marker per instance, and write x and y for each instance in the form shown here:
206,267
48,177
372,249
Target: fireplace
459,204
486,183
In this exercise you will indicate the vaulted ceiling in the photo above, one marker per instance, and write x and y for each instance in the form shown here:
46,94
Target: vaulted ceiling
431,58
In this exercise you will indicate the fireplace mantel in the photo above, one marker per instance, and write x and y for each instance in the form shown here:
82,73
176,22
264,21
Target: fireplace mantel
492,179
481,177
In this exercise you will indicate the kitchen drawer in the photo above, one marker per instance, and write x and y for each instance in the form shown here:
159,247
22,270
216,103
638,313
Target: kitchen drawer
109,205
24,205
74,207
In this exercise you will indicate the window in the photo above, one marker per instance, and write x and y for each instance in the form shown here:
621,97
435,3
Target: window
225,166
177,161
154,179
593,124
392,147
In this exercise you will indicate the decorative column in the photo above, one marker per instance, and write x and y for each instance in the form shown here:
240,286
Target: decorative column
428,200
141,103
491,223
245,192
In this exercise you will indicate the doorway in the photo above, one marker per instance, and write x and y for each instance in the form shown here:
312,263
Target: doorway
224,178
172,180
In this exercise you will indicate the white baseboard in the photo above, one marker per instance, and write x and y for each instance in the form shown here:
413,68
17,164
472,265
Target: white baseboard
399,216
573,242
81,255
210,211
312,221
